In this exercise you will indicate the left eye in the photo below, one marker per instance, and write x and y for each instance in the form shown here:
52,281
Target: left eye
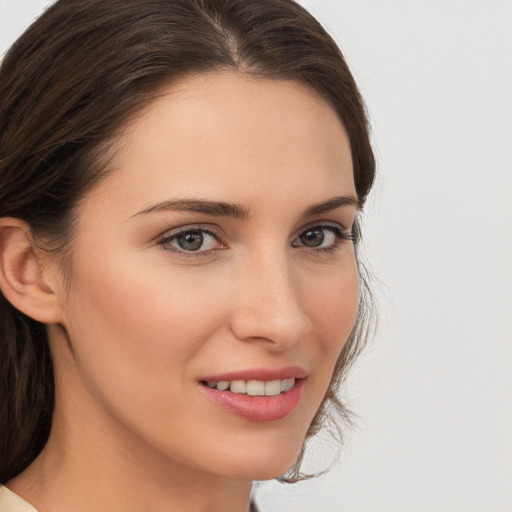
195,240
320,237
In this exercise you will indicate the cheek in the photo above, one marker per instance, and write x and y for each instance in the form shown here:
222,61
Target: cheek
333,306
134,330
142,313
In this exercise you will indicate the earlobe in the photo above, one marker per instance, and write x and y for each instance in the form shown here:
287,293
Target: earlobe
23,280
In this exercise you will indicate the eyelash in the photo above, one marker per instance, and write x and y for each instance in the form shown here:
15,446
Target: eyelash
341,235
167,239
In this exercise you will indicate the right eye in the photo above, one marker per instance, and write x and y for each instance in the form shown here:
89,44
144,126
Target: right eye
191,241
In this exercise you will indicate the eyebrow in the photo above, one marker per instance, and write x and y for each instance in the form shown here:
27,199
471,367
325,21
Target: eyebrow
222,209
216,208
330,204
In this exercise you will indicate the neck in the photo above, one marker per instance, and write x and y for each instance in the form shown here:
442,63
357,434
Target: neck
103,476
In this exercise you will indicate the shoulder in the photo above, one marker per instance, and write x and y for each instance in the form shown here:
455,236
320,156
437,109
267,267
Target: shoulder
10,502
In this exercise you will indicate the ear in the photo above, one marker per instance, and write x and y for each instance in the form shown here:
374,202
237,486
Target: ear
24,280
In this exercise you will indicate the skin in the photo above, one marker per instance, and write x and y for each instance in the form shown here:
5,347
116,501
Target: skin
141,322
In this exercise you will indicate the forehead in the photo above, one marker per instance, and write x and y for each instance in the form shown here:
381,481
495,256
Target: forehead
230,134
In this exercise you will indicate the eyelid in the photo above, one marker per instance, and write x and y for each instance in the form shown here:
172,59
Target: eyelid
322,224
340,232
171,234
207,228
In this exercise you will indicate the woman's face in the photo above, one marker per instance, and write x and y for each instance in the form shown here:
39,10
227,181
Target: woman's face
218,253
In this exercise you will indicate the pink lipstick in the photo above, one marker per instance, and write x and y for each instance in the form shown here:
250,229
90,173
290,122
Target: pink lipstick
258,394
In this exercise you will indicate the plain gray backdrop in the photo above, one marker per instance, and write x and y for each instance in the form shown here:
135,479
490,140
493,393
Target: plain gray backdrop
434,391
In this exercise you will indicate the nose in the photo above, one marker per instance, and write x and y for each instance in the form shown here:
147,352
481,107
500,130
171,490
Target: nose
267,304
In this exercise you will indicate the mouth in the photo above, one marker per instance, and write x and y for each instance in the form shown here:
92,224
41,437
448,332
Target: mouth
257,395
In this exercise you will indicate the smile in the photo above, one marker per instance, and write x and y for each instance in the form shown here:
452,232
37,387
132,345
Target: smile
254,387
257,395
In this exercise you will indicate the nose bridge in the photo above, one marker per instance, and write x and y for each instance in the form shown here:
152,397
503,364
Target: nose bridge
269,305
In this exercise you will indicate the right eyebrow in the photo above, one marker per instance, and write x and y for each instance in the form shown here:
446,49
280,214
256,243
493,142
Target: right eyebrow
216,208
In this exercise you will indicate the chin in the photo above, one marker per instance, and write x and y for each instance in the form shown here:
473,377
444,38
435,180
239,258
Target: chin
264,464
261,472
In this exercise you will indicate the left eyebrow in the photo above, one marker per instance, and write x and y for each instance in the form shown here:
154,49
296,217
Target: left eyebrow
330,204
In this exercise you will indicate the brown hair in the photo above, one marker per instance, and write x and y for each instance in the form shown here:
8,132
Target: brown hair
68,85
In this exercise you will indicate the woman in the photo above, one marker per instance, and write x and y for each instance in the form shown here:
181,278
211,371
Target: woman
181,297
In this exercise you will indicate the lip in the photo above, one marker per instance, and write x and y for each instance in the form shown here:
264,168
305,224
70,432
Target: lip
257,408
264,374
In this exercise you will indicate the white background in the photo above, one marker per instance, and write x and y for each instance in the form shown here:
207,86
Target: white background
434,391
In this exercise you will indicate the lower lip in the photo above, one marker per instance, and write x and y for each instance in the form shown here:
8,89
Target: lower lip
258,408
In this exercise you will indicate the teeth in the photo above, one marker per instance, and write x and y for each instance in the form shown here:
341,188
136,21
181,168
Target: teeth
238,386
273,388
223,385
289,384
254,387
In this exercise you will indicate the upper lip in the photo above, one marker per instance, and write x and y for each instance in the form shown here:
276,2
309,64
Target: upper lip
264,374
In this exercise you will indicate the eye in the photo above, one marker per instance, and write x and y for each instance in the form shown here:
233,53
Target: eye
325,237
192,240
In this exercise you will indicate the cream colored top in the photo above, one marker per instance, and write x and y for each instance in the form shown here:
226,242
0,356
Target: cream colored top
10,502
